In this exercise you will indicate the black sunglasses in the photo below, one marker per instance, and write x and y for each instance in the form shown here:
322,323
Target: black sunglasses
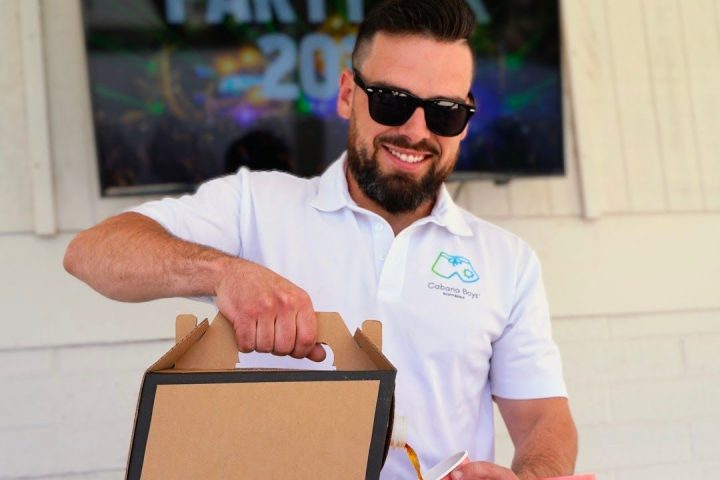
392,107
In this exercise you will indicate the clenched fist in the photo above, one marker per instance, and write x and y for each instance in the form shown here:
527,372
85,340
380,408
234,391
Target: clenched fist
269,313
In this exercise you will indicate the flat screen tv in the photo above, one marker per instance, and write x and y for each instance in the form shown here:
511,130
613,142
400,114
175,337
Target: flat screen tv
186,90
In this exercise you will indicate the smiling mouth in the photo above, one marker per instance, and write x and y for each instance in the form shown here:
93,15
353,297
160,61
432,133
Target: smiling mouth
407,157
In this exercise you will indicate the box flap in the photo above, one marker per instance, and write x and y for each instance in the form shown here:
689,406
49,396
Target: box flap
217,349
180,349
184,324
373,330
372,351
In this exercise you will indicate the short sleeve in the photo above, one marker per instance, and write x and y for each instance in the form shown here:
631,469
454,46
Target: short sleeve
526,361
210,217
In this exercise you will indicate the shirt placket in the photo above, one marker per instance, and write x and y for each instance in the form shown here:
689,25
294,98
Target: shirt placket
391,259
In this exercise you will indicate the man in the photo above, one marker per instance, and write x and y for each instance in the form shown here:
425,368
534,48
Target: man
464,315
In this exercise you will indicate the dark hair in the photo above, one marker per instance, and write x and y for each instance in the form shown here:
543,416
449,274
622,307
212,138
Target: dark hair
444,20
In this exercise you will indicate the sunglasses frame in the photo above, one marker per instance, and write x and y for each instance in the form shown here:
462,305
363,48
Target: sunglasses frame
415,102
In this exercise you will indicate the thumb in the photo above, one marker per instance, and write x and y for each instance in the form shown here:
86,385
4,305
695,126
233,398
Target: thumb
317,354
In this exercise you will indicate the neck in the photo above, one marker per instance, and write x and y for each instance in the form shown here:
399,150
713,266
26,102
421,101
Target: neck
398,221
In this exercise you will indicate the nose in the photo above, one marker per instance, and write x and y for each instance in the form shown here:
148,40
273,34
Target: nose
415,128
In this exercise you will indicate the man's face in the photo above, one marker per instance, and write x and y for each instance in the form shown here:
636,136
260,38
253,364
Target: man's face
400,168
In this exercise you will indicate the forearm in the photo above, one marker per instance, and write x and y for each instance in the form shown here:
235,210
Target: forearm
548,450
131,258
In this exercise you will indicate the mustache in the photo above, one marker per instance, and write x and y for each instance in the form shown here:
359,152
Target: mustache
401,141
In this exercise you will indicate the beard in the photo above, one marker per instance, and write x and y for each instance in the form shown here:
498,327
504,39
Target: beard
396,192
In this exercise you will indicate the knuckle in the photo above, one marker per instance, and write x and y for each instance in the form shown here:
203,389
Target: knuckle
285,299
265,303
283,349
245,345
305,339
303,299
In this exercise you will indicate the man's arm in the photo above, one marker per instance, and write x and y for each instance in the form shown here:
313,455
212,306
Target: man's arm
545,440
132,258
544,436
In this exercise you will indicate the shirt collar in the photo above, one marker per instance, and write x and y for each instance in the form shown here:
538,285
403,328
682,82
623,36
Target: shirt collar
446,213
333,194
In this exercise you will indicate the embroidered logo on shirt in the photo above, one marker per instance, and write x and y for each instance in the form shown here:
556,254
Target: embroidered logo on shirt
449,266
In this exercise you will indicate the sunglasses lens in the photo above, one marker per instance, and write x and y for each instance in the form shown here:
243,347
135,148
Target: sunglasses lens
446,118
391,109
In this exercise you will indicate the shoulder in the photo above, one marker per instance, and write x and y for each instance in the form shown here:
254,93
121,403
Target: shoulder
489,233
277,186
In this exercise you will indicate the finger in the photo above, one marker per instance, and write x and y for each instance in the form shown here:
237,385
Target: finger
317,354
265,334
284,334
484,470
245,334
306,333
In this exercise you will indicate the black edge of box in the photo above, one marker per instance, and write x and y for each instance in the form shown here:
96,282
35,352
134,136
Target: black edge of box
383,412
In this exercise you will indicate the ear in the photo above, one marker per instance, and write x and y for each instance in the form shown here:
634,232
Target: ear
345,95
464,132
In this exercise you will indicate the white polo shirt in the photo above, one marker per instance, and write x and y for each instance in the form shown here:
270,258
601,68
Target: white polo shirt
461,301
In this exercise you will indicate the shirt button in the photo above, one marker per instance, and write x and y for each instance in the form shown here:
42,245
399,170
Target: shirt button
378,227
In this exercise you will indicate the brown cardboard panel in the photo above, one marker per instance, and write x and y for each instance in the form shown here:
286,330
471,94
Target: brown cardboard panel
348,354
216,350
271,430
373,330
180,349
371,349
184,324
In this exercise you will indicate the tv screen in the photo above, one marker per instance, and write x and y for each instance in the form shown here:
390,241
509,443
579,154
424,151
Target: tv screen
186,90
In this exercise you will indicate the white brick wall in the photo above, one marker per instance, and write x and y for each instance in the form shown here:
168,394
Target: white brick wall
645,391
69,410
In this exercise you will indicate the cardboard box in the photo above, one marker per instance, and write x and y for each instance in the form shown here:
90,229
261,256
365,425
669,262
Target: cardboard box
199,417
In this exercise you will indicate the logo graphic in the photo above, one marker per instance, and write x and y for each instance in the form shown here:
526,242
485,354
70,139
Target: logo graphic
448,266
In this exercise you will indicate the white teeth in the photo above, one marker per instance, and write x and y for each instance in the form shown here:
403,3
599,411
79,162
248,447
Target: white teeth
407,158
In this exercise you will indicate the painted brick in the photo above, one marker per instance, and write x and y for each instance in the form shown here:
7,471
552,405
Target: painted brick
70,398
702,354
96,397
705,433
24,363
633,445
647,359
48,451
709,469
129,357
661,472
94,446
599,474
585,364
664,400
26,402
504,450
664,324
570,330
590,405
105,475
622,360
